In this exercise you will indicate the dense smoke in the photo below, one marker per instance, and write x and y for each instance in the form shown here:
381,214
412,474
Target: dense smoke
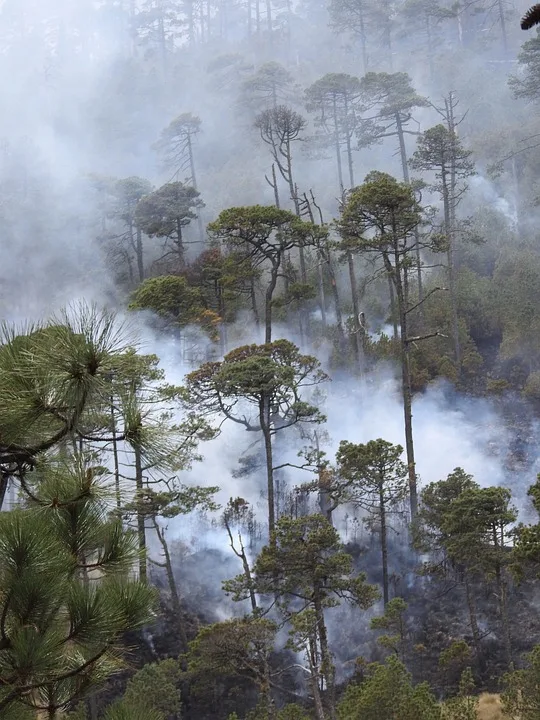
85,99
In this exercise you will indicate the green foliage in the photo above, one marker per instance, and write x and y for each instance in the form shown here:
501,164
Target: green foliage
125,711
527,85
465,705
222,279
61,636
340,88
470,523
236,648
440,150
527,537
388,694
174,144
170,297
456,653
390,92
372,474
517,285
521,689
270,85
306,560
378,217
393,620
264,233
292,712
60,364
475,525
155,686
167,210
273,373
289,712
128,192
434,502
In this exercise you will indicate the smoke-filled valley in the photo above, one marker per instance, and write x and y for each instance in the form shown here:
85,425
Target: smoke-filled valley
270,360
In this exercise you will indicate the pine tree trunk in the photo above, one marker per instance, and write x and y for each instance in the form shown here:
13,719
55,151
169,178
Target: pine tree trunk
264,419
140,254
393,313
363,38
116,463
394,274
180,243
314,681
253,298
348,144
502,20
141,520
502,599
473,618
451,268
269,19
357,330
268,304
275,187
406,178
173,588
4,482
328,669
430,46
384,544
338,149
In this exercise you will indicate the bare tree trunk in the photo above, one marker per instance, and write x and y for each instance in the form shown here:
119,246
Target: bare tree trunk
275,186
268,305
264,418
322,298
335,293
473,618
502,600
269,19
394,274
116,463
338,149
363,38
140,254
173,587
329,671
314,681
4,482
357,329
348,144
180,243
393,314
384,544
141,521
502,20
406,178
430,47
254,308
245,565
200,226
402,148
451,269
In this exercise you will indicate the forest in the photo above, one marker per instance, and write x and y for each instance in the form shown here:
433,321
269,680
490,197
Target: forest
269,360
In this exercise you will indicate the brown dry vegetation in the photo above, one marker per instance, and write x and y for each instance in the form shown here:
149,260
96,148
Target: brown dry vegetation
489,708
